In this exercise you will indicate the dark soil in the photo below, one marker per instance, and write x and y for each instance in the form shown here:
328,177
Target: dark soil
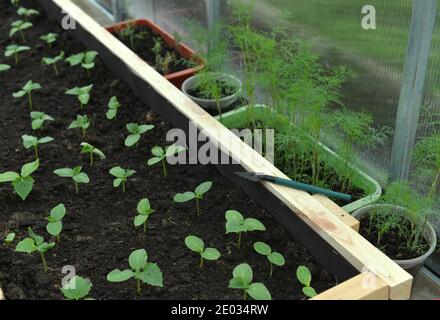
227,90
144,42
98,233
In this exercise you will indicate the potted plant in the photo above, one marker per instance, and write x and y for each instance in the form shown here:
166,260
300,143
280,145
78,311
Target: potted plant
399,226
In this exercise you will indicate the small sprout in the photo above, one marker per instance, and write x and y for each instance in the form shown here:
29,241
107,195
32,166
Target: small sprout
27,90
305,278
53,62
140,269
242,279
4,67
15,2
161,155
197,194
113,107
34,142
9,239
14,50
81,122
88,148
76,288
23,182
49,38
35,243
121,176
76,174
55,221
144,210
85,59
83,94
235,223
27,13
197,245
274,258
136,131
38,119
19,26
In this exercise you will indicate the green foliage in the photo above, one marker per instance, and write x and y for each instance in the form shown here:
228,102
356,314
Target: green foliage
38,119
121,176
53,62
35,243
85,59
426,157
136,131
235,223
49,38
162,63
55,221
140,269
305,278
34,142
23,182
27,90
144,211
160,156
274,257
27,13
242,279
15,3
18,27
82,93
10,237
14,50
75,174
129,32
113,107
4,67
88,148
197,245
77,288
197,195
81,122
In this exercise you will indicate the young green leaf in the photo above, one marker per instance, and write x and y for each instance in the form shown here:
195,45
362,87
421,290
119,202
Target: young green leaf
113,107
38,119
53,62
88,148
197,245
136,131
75,174
197,194
18,27
81,122
274,258
55,221
34,142
22,183
160,155
77,288
85,59
144,211
15,3
27,90
242,279
140,269
27,13
121,176
305,278
4,67
14,50
235,223
49,38
9,239
82,94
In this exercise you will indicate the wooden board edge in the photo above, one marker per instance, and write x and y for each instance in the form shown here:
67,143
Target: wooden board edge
2,296
339,212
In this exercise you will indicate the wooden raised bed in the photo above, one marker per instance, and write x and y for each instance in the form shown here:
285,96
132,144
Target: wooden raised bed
315,222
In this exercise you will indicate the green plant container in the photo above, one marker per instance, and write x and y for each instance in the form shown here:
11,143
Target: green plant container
237,119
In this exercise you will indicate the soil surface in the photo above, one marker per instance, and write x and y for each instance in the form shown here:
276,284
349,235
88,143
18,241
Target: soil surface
99,234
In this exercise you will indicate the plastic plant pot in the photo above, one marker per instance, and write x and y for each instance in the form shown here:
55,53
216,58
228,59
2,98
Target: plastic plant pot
237,119
176,78
412,266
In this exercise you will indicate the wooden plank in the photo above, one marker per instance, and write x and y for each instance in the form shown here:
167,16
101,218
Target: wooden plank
365,286
2,296
338,211
357,250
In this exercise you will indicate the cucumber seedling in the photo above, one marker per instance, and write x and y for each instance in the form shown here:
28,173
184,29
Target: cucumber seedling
23,182
10,237
75,174
76,288
113,107
274,258
235,223
121,176
53,62
15,3
160,155
242,279
27,13
55,221
81,122
38,119
18,27
85,59
34,142
35,243
140,269
305,278
82,94
144,211
197,245
197,194
27,90
88,148
14,50
49,38
4,67
136,131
